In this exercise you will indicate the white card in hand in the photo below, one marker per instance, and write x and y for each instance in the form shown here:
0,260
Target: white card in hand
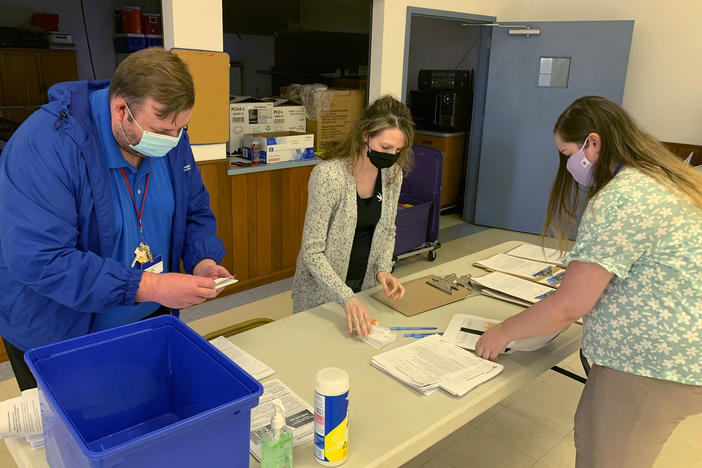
224,282
379,337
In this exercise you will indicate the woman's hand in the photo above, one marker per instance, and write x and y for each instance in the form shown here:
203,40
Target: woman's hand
492,343
358,317
392,287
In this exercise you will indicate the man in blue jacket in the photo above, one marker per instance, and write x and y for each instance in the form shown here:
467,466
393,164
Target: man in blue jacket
100,201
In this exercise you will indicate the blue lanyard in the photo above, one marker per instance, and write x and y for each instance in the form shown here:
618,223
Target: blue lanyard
619,166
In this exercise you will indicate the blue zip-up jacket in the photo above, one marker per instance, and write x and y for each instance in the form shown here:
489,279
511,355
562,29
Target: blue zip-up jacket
57,223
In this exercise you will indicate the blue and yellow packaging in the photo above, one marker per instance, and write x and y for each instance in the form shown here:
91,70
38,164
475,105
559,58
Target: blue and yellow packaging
331,416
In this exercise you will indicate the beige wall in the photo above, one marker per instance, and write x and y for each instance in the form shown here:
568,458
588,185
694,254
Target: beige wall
195,24
662,90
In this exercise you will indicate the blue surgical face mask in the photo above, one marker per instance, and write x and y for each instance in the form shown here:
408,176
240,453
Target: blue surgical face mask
152,144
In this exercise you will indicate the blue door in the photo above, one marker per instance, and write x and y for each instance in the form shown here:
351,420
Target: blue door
531,80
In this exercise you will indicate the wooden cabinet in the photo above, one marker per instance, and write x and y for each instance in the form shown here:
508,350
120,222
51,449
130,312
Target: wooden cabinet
26,76
452,146
56,66
260,217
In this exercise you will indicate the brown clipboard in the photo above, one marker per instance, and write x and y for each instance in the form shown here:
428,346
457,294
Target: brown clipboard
420,297
210,70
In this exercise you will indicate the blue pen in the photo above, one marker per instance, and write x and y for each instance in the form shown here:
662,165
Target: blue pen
544,272
545,295
556,278
420,335
413,328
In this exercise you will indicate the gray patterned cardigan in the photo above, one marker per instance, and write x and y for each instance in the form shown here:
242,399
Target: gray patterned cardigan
330,224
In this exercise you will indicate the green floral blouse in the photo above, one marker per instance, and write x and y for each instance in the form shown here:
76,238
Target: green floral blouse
648,321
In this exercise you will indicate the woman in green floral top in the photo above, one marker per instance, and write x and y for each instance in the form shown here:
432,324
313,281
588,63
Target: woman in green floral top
634,275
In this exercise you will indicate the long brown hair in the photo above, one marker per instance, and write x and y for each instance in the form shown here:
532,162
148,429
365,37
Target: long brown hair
622,142
386,112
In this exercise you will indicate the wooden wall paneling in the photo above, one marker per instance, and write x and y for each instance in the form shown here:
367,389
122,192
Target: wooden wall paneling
299,208
3,353
260,218
240,222
288,226
278,197
224,220
263,223
251,210
214,177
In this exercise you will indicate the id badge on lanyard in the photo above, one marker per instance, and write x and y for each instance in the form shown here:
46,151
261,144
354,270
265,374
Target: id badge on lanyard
142,254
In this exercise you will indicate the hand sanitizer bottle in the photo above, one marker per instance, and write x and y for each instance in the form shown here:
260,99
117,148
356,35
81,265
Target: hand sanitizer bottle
277,447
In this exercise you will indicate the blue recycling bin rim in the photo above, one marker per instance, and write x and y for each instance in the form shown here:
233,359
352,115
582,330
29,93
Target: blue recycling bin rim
55,349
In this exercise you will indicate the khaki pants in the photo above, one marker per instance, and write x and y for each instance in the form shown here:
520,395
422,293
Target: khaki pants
623,419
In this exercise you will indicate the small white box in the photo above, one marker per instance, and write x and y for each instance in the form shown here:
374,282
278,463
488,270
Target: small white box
288,117
247,115
55,37
284,146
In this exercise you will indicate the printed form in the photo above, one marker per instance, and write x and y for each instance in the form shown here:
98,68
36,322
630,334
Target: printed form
504,286
430,363
541,272
465,330
250,364
21,416
536,252
299,416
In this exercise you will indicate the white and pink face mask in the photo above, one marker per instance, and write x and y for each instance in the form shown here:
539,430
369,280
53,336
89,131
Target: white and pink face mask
581,168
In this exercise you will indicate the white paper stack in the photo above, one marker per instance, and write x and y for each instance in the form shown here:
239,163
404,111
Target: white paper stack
511,288
250,364
540,272
21,417
299,416
538,253
465,330
430,363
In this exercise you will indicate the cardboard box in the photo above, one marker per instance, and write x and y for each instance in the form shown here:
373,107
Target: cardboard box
288,116
247,115
360,82
284,146
333,125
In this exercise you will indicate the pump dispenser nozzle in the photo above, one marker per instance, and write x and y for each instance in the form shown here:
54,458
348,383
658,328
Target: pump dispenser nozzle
277,420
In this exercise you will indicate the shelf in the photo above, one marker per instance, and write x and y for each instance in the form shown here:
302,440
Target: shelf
233,170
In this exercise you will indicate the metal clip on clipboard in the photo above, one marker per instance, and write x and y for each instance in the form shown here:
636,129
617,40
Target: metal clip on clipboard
450,283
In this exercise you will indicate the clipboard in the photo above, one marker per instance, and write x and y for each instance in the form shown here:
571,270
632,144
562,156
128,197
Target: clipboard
210,119
420,297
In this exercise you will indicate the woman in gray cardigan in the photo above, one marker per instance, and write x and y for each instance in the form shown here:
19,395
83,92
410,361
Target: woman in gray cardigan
349,233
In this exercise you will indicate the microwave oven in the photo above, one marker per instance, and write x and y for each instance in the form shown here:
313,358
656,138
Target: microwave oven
444,110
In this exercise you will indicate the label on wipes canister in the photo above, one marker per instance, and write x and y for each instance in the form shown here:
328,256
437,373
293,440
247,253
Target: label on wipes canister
331,428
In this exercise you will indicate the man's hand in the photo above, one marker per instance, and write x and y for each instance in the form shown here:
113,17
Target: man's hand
175,290
392,287
209,268
357,317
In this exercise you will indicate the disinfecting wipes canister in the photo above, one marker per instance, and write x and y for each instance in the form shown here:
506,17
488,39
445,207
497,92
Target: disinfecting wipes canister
331,416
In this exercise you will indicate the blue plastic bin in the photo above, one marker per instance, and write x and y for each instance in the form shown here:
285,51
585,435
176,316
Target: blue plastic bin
154,40
127,43
149,394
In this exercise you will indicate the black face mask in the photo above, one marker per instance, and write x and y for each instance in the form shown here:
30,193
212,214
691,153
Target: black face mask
381,160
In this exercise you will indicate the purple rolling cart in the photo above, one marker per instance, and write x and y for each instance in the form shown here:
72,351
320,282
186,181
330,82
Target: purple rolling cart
418,226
